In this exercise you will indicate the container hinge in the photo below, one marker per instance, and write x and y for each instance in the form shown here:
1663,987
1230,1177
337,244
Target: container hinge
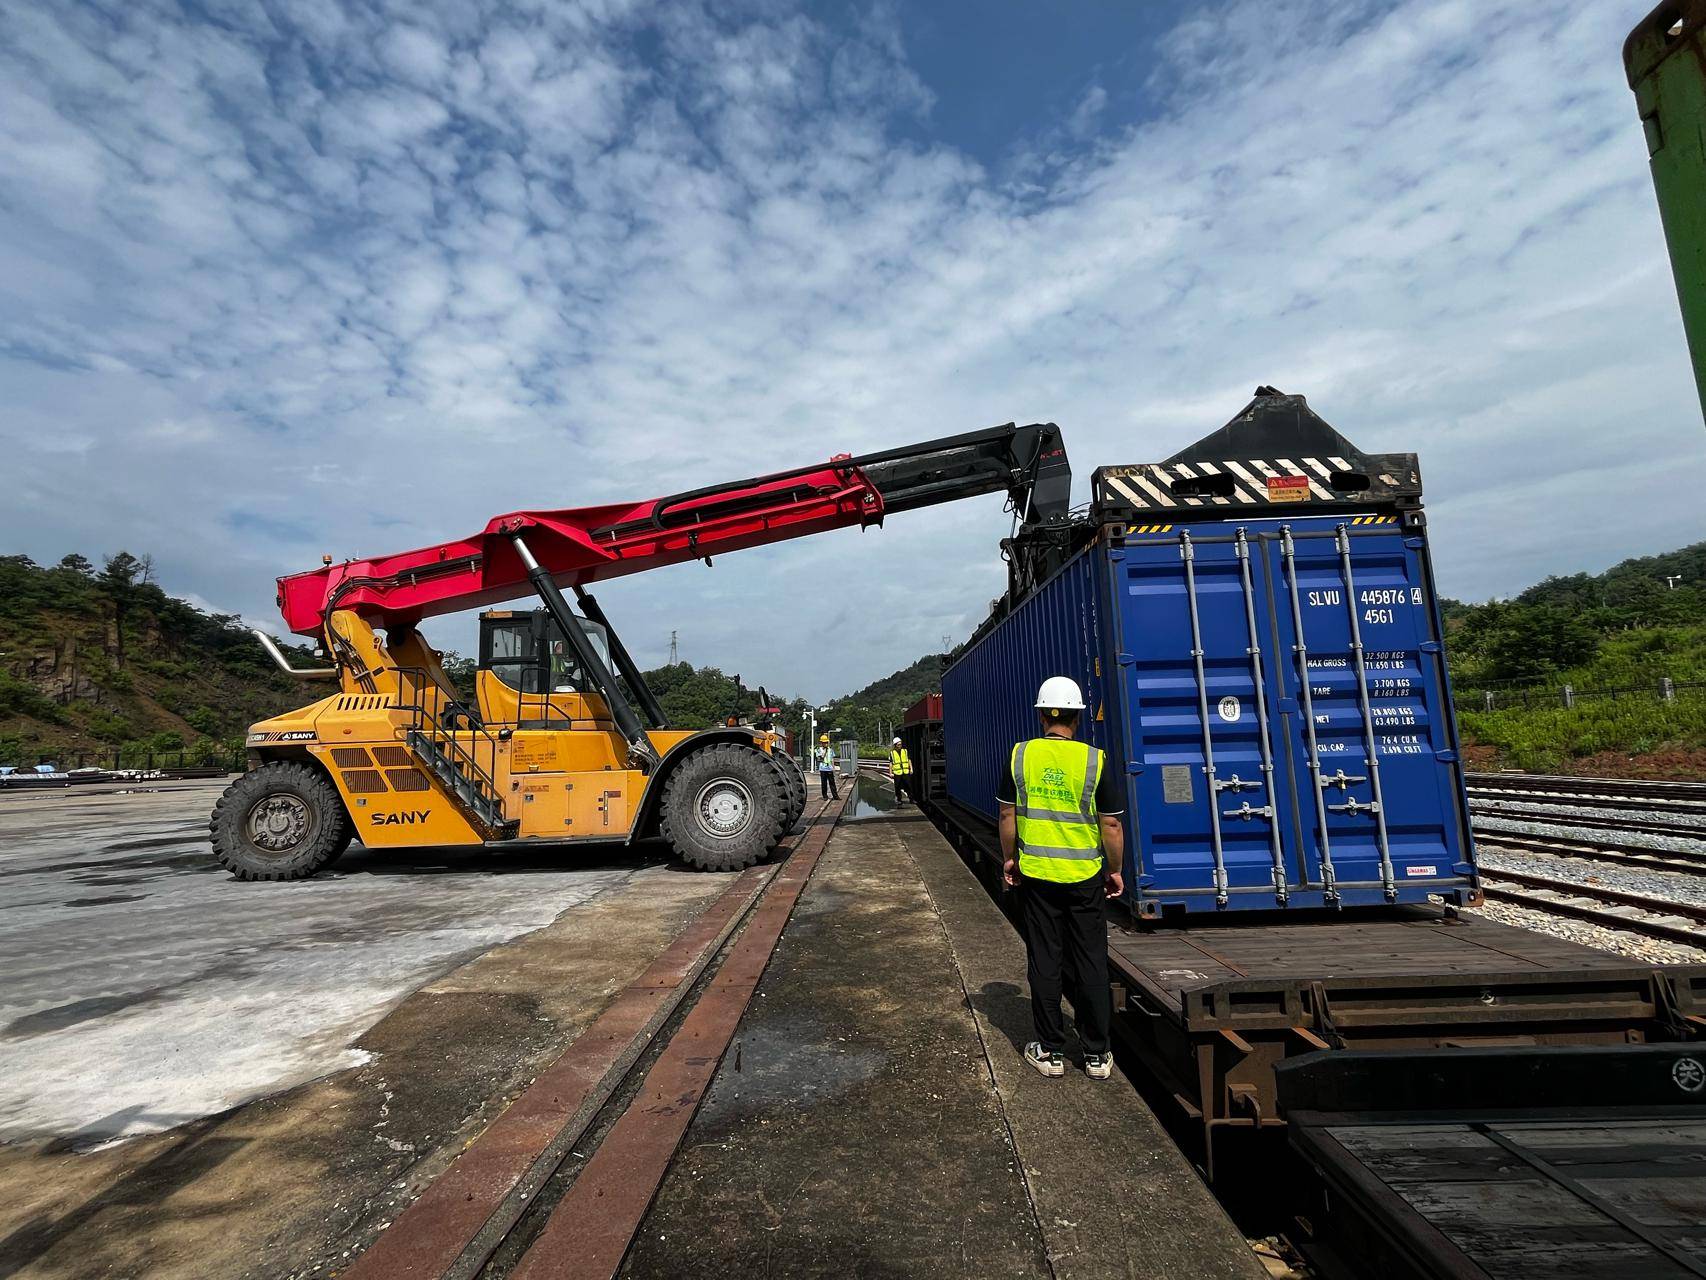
1244,812
1446,757
1415,544
1124,659
1429,646
1341,780
1351,806
1134,767
1235,783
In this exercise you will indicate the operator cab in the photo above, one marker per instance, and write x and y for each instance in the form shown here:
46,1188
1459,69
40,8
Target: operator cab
530,676
528,651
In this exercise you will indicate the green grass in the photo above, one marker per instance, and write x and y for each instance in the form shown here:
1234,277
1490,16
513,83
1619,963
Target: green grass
1548,739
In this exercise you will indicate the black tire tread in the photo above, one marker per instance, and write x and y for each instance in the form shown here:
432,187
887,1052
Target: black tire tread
769,794
326,844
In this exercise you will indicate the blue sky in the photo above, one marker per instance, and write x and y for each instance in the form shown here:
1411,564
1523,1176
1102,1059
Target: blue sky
294,277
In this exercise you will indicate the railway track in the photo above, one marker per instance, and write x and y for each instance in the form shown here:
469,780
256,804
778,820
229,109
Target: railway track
1609,851
1603,793
1652,917
1652,826
558,1184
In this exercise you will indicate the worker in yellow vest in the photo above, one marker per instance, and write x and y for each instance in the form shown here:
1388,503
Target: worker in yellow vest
900,765
826,769
1062,845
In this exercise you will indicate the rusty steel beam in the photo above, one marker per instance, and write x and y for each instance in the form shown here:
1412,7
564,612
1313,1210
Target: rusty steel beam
454,1225
589,1232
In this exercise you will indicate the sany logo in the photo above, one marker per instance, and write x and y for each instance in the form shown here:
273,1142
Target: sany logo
400,819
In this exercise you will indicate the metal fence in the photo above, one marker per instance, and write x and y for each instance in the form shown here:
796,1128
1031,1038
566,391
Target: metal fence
231,760
1664,689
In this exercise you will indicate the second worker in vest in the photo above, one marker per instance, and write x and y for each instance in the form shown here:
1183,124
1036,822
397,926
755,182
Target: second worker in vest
1063,846
900,765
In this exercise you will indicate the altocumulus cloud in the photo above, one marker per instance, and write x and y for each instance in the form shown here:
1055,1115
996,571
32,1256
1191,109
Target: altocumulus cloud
296,277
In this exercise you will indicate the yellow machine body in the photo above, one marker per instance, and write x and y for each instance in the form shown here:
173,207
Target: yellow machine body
558,768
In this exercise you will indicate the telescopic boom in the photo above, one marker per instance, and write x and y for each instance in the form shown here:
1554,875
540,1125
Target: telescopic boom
579,545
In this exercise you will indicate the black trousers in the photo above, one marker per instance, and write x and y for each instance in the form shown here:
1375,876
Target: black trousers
826,784
1066,944
900,781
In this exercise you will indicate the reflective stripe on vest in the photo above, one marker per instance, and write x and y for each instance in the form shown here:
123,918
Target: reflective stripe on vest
1059,836
900,762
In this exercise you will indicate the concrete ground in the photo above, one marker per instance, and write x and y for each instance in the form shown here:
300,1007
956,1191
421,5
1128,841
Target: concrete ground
141,987
179,991
873,1117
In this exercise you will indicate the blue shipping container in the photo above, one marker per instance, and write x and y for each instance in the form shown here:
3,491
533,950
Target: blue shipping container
1277,771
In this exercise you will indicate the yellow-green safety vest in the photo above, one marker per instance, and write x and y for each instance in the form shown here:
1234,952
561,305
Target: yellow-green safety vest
1055,787
900,762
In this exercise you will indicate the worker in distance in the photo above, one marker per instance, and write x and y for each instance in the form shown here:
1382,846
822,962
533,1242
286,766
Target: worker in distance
900,768
826,769
1062,846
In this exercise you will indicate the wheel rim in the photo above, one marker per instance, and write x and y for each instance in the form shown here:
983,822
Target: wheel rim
724,807
279,823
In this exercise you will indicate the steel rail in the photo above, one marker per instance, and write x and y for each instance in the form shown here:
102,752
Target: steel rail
459,1221
1596,850
1575,906
1551,818
590,1229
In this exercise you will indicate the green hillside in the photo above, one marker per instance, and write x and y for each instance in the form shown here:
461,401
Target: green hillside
870,712
93,660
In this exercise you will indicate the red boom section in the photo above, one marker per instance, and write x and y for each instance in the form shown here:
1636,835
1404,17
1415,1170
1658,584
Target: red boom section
583,544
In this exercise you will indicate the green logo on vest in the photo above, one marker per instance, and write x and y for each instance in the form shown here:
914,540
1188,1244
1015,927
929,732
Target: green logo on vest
1054,777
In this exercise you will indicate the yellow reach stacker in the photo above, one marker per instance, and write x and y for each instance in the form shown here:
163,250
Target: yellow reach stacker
562,742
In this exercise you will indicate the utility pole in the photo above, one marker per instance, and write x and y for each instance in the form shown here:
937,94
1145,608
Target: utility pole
673,657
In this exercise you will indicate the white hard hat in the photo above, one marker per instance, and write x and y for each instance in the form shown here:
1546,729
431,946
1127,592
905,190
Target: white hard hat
897,742
1060,694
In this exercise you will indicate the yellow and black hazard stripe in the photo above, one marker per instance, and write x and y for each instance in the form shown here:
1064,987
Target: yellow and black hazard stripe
1151,528
1374,519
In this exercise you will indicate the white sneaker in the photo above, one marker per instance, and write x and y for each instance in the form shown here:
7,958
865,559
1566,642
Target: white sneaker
1049,1064
1099,1066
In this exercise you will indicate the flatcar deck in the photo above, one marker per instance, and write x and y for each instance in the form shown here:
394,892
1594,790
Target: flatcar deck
1491,1165
1213,1010
1410,942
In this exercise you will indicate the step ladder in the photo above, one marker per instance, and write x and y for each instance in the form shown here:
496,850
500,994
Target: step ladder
462,776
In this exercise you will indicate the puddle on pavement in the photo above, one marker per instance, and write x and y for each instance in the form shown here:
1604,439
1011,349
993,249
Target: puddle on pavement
871,798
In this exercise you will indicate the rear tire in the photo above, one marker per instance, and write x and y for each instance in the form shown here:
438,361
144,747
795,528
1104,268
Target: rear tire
282,821
724,807
795,783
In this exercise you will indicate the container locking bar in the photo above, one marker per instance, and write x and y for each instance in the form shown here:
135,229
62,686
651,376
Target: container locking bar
1258,676
1378,808
1288,554
1189,551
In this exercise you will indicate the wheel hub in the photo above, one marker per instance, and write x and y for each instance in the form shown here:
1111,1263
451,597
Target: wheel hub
725,808
278,823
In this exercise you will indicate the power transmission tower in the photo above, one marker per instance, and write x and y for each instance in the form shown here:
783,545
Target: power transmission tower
673,656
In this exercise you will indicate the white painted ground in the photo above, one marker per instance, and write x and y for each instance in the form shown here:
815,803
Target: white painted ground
142,987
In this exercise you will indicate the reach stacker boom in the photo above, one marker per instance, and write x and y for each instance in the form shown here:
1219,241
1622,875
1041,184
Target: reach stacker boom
563,742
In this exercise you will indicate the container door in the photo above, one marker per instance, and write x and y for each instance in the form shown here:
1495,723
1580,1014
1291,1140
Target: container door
1372,750
1199,683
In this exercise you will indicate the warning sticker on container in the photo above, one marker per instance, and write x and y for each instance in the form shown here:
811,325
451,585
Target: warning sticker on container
1288,488
1421,871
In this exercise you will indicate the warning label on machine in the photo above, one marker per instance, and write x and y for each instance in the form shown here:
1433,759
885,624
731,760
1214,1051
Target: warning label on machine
1288,488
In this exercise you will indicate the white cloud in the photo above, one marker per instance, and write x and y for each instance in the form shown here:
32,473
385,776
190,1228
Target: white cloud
380,280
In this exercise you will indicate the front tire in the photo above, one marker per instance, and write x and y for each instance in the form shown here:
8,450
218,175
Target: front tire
282,821
724,808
